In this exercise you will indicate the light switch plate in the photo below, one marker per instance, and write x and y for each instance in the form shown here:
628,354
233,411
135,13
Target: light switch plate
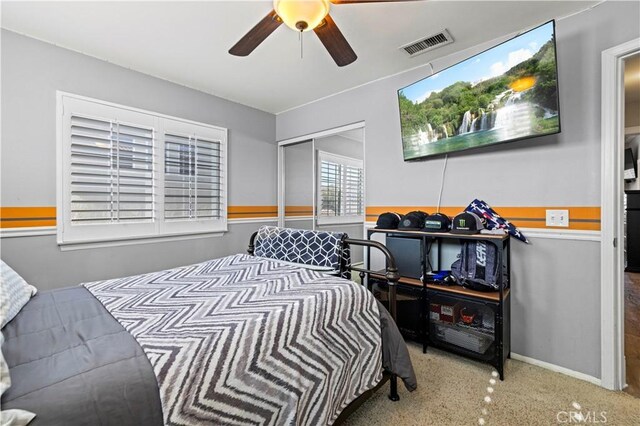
558,218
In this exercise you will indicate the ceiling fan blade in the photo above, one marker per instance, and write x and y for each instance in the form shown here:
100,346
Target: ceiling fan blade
256,35
334,42
368,1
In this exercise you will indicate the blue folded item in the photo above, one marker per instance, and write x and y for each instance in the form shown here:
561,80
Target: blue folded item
440,275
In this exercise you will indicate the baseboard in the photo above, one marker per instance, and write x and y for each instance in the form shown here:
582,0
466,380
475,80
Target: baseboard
557,369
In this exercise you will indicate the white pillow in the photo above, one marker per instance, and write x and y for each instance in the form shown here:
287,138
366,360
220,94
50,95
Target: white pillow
15,292
13,417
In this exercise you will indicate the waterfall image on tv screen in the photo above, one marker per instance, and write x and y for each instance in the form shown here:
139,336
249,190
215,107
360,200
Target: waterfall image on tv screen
505,93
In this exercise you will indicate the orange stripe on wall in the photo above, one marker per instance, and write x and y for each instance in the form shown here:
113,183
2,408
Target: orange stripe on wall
27,212
580,218
374,212
25,217
252,209
298,210
250,212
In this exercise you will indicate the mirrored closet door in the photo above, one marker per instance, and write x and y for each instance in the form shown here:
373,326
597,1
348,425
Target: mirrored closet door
322,184
298,182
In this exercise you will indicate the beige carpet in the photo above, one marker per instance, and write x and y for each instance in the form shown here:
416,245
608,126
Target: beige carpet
451,391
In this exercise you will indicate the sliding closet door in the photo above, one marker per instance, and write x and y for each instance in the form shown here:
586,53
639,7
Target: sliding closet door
298,185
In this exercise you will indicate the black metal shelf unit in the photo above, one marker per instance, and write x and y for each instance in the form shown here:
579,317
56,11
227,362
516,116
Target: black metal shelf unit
435,308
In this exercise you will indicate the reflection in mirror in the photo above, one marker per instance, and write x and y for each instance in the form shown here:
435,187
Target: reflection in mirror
298,185
340,185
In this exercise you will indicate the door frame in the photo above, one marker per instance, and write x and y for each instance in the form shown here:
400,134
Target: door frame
311,137
612,228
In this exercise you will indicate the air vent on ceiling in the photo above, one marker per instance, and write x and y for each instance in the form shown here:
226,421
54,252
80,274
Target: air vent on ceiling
428,43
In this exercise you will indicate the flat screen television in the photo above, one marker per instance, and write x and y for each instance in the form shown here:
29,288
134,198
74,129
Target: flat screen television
506,93
630,167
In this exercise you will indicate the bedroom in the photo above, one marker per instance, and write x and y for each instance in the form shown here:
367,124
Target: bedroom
169,61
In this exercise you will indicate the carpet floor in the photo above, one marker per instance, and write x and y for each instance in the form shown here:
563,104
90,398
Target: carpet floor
452,391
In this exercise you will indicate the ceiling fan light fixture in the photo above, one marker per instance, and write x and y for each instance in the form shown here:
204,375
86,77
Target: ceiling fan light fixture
301,15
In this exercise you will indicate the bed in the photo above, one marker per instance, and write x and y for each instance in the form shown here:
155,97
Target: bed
243,339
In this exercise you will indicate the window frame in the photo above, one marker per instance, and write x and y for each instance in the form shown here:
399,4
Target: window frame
70,234
343,161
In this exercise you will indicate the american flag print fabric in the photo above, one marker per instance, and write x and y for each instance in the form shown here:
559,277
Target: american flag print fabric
494,220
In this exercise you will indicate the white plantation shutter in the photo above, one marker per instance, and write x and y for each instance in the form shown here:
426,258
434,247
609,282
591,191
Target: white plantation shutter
127,174
353,190
330,188
111,171
340,189
192,179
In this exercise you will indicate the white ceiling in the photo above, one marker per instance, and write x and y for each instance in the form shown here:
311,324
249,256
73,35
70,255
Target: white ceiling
187,42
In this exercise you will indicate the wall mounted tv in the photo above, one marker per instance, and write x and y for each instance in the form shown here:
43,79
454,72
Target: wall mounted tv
503,94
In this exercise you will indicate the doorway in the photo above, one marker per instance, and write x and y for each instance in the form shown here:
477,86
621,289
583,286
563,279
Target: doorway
631,219
321,180
614,216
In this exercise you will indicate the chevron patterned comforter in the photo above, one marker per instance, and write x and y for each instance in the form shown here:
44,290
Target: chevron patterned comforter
247,340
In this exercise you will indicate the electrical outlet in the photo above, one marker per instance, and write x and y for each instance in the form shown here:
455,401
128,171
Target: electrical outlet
558,218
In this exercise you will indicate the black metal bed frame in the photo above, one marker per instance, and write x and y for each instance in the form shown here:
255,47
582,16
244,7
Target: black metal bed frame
392,276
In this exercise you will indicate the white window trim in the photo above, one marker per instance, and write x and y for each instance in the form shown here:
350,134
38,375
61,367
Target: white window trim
340,159
162,231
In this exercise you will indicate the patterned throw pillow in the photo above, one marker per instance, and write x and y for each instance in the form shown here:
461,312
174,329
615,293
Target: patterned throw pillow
15,292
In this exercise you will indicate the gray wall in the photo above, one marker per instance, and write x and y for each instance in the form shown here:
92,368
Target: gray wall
41,263
299,181
298,164
298,186
556,290
32,71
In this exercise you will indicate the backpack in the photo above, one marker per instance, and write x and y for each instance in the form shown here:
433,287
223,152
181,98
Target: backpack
478,266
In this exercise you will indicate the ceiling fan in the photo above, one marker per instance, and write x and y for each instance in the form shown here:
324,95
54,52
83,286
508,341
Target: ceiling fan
303,15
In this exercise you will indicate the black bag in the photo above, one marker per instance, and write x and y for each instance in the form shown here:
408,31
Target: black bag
478,266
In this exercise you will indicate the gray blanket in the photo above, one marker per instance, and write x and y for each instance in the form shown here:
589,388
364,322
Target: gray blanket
395,354
72,363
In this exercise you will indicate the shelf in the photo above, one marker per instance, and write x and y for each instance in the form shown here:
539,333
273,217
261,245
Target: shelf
494,296
434,331
482,332
446,235
488,355
456,289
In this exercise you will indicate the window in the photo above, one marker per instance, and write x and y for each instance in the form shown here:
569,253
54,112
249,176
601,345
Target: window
191,178
126,173
340,189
